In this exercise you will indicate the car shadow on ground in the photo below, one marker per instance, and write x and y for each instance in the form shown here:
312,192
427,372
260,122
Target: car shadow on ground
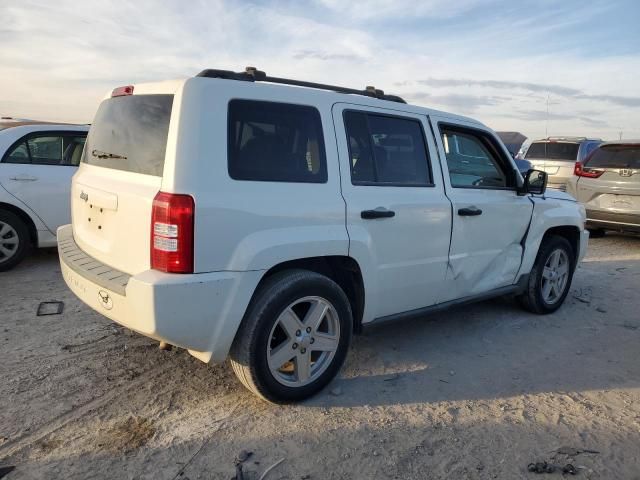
494,349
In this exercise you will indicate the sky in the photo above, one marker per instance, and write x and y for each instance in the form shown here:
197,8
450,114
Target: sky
538,67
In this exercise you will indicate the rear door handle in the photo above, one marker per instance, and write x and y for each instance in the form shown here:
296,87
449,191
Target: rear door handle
24,178
379,212
472,211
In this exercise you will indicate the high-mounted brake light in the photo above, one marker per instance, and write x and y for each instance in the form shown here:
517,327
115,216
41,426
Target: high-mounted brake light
581,171
172,219
121,91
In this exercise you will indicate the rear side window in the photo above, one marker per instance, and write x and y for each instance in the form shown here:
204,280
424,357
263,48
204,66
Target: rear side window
275,142
386,150
47,148
615,156
554,151
18,154
130,133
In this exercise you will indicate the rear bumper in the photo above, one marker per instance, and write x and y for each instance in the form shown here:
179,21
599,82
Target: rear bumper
613,220
200,312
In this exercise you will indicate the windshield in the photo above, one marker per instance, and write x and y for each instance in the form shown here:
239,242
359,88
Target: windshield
554,151
615,156
130,133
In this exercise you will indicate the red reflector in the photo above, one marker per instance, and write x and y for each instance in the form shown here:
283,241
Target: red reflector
172,233
581,171
121,91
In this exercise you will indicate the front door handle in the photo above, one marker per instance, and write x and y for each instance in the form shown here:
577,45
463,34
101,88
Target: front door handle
472,211
24,178
379,212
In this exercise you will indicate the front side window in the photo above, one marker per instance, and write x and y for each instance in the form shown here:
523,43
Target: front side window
386,150
45,150
275,142
472,159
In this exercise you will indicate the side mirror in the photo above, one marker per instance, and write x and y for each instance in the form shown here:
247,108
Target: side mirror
535,181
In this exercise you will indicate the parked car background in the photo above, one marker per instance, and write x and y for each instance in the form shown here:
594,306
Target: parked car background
514,141
558,155
37,161
608,184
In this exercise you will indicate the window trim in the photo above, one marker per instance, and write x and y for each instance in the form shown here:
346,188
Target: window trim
431,184
42,133
495,150
321,143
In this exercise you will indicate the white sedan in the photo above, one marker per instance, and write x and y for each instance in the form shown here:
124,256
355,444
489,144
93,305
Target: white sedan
37,161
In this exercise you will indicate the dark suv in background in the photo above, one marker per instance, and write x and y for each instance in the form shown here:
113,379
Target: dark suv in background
558,155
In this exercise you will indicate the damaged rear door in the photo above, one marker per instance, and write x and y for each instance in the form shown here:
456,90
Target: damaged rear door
490,219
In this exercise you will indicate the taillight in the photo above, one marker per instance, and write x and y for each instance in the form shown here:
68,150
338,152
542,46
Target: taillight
582,171
121,91
172,233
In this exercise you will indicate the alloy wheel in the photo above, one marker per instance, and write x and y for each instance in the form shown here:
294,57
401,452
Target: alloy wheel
9,241
555,276
303,341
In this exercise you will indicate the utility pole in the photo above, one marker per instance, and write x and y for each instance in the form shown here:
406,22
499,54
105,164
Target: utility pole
546,122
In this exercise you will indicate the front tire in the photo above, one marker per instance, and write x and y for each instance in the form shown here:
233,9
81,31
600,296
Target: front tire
14,240
294,336
550,278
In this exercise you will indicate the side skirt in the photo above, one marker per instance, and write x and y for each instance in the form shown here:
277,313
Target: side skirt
421,312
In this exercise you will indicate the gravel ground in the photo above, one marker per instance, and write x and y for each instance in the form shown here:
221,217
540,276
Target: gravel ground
476,392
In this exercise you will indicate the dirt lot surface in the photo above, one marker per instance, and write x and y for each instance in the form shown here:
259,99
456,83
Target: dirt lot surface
476,392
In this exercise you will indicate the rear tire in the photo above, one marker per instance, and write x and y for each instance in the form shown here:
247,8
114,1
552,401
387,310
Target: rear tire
294,336
596,232
550,278
14,240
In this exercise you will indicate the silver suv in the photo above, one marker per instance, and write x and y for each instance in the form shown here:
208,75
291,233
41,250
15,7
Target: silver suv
608,184
557,156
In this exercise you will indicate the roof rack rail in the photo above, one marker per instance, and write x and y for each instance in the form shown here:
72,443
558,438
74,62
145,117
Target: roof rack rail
252,74
563,137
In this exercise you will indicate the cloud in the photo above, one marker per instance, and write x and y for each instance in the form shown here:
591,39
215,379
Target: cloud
529,87
392,9
460,102
543,116
320,55
492,61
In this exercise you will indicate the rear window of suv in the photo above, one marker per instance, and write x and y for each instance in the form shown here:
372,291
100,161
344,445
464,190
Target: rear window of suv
554,151
615,156
130,133
275,142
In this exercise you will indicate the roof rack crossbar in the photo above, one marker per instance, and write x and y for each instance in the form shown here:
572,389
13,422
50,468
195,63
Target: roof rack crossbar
252,74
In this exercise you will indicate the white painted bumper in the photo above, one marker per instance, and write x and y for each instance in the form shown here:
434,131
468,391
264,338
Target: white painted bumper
200,312
584,241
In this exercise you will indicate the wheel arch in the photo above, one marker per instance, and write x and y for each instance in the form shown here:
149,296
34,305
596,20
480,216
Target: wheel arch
569,232
26,218
343,270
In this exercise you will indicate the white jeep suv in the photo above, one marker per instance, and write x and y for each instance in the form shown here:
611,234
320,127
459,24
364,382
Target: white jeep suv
267,219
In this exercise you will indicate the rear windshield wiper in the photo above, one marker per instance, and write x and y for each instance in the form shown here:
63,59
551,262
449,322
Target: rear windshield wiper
101,154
